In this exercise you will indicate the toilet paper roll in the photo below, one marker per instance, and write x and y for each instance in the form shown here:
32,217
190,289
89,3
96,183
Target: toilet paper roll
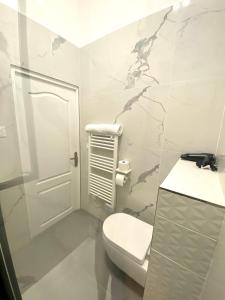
121,179
124,165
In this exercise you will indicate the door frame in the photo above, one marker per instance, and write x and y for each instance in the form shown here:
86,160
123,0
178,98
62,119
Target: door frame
33,174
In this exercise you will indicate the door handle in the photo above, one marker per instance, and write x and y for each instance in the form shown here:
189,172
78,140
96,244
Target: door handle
75,159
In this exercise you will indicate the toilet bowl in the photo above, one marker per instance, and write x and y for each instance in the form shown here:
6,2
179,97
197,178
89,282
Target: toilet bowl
127,243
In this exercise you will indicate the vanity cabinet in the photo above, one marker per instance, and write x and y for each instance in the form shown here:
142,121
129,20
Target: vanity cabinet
185,235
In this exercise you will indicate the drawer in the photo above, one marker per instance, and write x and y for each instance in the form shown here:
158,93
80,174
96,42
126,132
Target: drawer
168,281
186,247
190,213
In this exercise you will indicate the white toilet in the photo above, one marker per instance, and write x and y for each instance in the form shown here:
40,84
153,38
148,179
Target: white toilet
127,243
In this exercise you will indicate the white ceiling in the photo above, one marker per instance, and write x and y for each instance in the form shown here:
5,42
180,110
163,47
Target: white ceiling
83,21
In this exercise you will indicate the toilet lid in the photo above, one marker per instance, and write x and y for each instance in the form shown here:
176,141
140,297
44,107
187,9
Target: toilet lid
128,234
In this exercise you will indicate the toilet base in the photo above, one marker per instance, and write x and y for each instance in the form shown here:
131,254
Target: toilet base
131,268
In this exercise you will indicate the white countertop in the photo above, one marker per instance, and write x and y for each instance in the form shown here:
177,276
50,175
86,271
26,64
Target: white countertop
186,178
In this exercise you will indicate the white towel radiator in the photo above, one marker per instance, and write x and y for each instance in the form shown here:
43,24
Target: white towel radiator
102,163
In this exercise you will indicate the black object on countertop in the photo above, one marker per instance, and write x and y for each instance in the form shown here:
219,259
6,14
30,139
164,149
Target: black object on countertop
201,159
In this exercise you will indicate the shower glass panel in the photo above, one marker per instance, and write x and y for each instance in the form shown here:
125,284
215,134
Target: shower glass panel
52,246
156,69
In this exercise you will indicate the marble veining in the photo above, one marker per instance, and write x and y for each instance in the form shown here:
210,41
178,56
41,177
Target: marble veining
142,178
141,68
56,44
136,99
195,17
143,49
3,44
144,93
128,106
160,121
137,213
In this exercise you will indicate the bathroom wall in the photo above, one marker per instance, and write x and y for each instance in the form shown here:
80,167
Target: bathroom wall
27,44
163,79
214,285
197,90
195,100
116,88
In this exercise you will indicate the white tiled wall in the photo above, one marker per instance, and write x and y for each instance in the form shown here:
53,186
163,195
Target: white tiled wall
180,112
214,285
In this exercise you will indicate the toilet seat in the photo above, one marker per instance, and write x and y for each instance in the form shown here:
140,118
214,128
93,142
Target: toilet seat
128,235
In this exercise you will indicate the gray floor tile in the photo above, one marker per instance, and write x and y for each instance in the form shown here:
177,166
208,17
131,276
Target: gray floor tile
68,261
51,247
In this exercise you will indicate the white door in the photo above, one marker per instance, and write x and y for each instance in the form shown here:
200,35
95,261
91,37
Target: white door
48,129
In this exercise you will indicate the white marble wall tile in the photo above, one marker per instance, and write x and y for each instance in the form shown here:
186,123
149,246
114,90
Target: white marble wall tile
199,45
167,160
177,106
138,196
196,97
51,55
193,105
125,78
192,124
9,33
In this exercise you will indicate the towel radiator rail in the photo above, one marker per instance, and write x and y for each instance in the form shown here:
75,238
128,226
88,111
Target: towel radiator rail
102,185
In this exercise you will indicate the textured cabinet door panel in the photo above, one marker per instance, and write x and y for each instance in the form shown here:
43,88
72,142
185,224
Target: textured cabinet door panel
191,213
168,281
188,248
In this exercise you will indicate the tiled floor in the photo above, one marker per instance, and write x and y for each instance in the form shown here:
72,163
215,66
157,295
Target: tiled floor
68,261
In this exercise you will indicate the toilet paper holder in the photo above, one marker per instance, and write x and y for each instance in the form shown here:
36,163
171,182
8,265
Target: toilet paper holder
123,167
121,179
123,172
